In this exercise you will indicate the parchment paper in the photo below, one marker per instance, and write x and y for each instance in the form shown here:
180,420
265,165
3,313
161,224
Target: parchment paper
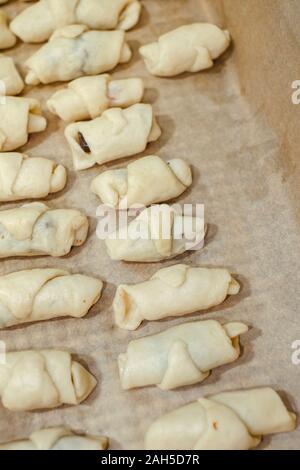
236,125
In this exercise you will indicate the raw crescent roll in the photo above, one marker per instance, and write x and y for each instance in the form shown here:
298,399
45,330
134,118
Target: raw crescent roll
7,38
118,133
35,229
29,178
57,439
89,97
146,181
10,77
226,421
190,48
182,355
157,233
19,117
174,291
35,380
73,52
37,23
43,294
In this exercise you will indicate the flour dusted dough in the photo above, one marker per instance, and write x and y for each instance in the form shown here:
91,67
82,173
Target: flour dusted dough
227,421
35,229
116,134
19,117
34,380
182,355
57,439
146,181
7,38
22,177
89,97
38,22
10,76
156,234
171,292
73,52
190,48
43,294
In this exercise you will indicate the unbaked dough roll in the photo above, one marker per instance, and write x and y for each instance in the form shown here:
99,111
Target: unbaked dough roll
43,294
116,134
19,117
29,178
182,355
73,52
157,233
227,421
37,23
35,380
189,48
172,292
89,97
10,77
7,38
146,181
57,439
35,229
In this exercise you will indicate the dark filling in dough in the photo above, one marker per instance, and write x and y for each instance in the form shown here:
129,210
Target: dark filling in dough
83,144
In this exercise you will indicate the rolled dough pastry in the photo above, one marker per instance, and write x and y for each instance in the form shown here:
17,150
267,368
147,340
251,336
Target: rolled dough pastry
190,48
182,355
171,292
19,117
146,181
156,234
10,76
38,22
43,294
29,178
227,421
7,38
116,134
35,380
89,97
35,229
73,52
57,439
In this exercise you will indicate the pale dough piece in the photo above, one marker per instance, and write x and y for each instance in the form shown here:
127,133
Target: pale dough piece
37,23
19,117
35,380
43,294
189,48
35,229
171,292
146,181
116,134
58,439
10,76
22,177
89,97
227,421
7,38
157,233
73,52
182,355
